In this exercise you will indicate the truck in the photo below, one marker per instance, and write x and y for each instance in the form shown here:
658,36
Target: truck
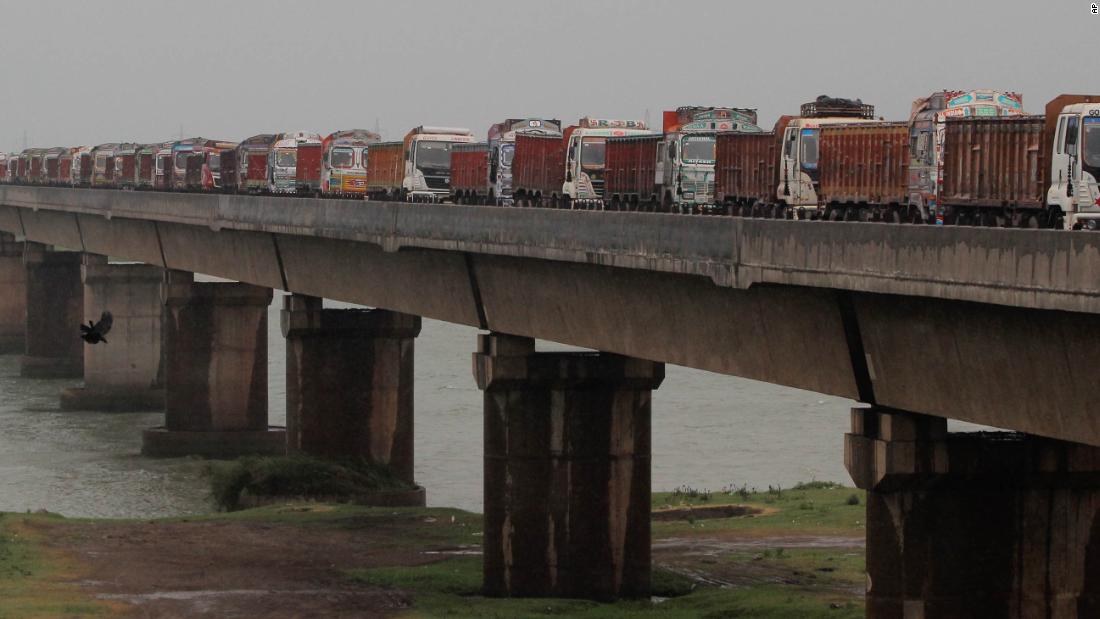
145,165
81,175
1024,171
51,162
103,165
927,123
282,162
578,161
125,163
344,162
307,167
252,158
483,172
674,170
196,164
776,174
417,169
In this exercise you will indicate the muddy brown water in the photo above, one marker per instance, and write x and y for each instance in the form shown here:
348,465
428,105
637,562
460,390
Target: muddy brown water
709,431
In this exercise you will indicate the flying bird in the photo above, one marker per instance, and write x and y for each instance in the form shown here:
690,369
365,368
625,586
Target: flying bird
93,332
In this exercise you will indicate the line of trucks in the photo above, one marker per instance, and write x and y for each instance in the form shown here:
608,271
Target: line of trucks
962,158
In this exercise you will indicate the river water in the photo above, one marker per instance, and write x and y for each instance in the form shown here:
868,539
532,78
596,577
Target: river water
709,431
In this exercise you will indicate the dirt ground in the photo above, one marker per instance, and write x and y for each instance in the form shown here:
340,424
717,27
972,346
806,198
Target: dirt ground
231,569
290,568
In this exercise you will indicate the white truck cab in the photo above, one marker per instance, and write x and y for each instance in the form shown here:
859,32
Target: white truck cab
282,163
798,173
1075,165
586,156
428,161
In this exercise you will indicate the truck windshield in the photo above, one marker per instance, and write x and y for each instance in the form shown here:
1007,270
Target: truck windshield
1092,142
214,161
181,160
593,152
506,153
342,157
286,158
697,148
433,157
809,148
101,163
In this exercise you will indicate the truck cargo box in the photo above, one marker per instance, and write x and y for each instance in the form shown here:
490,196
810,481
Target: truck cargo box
229,169
385,168
746,168
538,166
993,162
308,168
470,170
631,168
865,163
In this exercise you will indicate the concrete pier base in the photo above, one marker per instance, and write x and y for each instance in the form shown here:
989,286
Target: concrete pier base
124,373
55,310
215,337
976,524
13,296
567,471
349,377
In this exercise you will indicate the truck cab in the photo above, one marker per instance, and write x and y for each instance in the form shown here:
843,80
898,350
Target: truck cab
502,148
798,157
685,159
1075,162
344,162
282,162
926,138
586,157
427,152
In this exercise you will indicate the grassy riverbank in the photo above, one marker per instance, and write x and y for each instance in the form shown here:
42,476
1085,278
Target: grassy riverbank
794,553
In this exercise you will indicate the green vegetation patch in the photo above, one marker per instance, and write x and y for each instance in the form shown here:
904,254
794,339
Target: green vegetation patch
451,588
298,476
814,508
31,578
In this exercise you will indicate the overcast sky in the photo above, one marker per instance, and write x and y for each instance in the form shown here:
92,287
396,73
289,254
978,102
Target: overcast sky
75,73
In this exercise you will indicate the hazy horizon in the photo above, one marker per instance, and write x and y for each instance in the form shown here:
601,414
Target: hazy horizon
76,74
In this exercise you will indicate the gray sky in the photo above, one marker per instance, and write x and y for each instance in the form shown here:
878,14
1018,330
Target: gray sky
76,73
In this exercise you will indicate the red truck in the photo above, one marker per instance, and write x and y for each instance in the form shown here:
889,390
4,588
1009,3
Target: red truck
746,170
863,171
469,173
307,171
251,158
631,177
385,171
537,170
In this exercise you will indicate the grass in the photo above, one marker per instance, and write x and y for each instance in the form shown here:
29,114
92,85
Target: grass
32,578
451,588
297,476
815,508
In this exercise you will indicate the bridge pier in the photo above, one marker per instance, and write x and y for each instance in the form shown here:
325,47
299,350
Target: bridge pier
13,301
975,524
55,310
349,382
215,338
567,470
123,374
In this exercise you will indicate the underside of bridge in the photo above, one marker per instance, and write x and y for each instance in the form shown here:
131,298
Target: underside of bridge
566,510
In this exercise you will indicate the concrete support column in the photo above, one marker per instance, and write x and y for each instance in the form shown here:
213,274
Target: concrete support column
215,338
122,374
13,296
975,524
349,382
567,470
55,310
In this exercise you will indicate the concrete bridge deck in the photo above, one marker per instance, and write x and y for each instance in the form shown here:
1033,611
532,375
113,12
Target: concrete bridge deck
992,326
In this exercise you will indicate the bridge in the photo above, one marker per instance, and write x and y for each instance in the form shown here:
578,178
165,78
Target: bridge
920,323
